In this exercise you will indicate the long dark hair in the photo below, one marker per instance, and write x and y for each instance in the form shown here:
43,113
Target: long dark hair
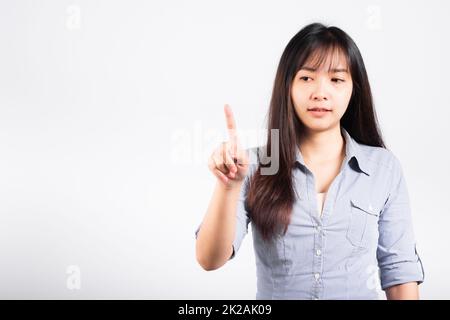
270,198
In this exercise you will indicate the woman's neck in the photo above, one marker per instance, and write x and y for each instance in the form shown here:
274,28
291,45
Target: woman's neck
322,146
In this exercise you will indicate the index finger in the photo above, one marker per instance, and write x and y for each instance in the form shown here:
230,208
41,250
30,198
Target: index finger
231,124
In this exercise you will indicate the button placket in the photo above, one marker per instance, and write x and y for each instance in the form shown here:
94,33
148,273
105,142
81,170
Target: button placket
318,261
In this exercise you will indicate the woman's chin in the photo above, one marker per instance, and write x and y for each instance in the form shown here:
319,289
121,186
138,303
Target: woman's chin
317,126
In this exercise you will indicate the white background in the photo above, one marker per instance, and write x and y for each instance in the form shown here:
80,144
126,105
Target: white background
110,109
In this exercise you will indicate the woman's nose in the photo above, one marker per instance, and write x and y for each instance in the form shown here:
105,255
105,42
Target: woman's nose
319,92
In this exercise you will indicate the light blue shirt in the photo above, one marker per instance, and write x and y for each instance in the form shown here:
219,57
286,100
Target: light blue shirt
365,233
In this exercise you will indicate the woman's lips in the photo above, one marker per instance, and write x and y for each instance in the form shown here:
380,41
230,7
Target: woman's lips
318,112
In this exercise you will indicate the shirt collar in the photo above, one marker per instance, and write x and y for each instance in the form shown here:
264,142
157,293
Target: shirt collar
352,150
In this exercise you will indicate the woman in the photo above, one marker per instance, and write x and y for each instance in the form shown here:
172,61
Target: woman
336,212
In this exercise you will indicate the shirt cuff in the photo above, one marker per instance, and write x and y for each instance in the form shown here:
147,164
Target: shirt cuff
402,272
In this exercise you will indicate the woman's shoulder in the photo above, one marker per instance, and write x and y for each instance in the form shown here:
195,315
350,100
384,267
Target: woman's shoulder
379,156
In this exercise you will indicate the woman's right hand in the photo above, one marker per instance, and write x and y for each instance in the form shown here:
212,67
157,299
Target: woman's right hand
229,162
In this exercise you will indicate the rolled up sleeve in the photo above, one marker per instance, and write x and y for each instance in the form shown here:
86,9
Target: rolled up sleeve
398,259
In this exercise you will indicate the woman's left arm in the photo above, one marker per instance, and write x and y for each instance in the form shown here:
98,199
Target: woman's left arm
405,291
401,269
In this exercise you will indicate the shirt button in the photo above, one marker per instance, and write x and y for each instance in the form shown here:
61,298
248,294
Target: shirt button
318,252
317,276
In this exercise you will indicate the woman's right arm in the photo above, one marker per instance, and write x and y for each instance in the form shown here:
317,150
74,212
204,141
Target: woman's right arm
215,237
229,163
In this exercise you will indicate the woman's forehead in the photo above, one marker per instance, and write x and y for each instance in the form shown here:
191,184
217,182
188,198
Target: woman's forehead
328,59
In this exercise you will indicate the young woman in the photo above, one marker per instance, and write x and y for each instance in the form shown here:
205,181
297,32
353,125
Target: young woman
336,214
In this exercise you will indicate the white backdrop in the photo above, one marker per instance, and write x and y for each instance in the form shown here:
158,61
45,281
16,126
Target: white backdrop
110,109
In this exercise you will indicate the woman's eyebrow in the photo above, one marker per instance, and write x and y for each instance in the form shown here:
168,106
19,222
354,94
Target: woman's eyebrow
334,70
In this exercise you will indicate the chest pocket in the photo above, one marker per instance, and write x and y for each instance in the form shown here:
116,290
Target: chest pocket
363,224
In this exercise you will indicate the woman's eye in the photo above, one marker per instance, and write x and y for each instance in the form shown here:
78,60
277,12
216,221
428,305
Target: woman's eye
304,78
337,80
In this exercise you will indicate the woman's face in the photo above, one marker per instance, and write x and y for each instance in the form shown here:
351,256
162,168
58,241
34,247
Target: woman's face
324,89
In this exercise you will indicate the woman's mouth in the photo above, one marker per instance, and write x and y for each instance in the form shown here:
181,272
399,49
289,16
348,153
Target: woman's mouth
319,112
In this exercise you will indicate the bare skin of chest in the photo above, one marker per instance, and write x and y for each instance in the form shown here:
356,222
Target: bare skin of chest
325,173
